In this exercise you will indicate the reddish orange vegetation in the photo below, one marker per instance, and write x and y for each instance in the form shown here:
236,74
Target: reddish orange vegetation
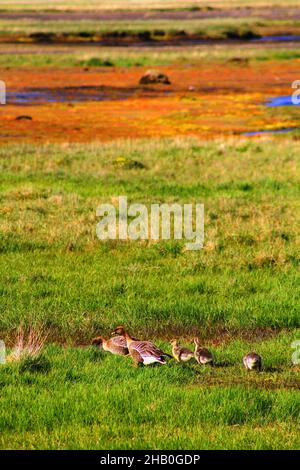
224,99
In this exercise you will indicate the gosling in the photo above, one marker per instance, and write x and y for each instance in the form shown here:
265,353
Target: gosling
179,353
252,361
202,355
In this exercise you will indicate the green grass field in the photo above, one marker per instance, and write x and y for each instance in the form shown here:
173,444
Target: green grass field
211,28
55,270
238,293
84,399
135,4
59,56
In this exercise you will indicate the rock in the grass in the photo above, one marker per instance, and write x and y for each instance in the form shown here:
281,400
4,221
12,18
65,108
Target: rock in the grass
24,117
42,37
239,60
134,165
153,76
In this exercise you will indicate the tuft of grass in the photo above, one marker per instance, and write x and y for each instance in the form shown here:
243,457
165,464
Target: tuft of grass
97,62
28,346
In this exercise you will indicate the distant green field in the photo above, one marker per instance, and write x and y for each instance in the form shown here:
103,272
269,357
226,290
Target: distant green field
214,27
136,4
91,56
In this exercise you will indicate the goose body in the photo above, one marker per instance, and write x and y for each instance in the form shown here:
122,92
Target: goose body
142,352
202,355
181,354
116,345
252,361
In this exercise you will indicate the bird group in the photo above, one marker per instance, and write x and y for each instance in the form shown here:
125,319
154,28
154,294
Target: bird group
146,352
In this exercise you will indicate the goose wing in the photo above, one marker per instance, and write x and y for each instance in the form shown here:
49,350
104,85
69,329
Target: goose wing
147,350
117,345
204,355
186,351
118,341
185,354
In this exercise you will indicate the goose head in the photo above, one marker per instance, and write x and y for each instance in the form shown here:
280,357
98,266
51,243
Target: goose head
120,330
98,341
196,342
174,342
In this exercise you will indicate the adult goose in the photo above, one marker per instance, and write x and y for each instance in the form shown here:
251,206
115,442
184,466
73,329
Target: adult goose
116,345
202,355
142,352
179,353
252,361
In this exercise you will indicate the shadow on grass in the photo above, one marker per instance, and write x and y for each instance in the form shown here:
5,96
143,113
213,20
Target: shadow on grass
221,364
